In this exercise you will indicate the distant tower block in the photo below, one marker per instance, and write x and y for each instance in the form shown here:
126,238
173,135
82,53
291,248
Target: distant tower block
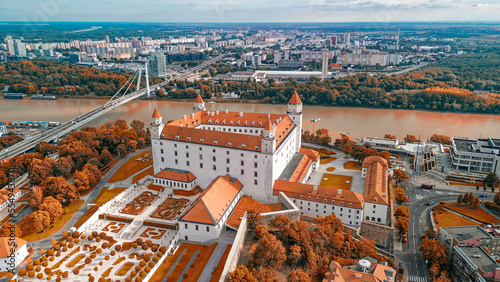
199,104
277,57
324,69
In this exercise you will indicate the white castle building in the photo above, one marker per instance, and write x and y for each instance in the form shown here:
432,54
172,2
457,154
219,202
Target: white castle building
255,148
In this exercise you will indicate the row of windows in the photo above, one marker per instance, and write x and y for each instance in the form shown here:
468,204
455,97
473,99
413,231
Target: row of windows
186,226
373,219
239,130
333,201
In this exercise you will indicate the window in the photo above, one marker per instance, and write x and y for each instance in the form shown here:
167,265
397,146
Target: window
196,227
175,153
187,147
367,218
341,209
213,150
200,147
176,161
242,155
187,163
214,159
242,162
255,174
255,182
227,169
227,152
254,164
227,161
201,157
254,156
201,165
379,219
187,155
162,159
214,167
242,172
208,228
161,151
186,226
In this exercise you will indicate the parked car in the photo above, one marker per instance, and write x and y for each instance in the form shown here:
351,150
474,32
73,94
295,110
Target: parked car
405,239
426,186
430,203
484,196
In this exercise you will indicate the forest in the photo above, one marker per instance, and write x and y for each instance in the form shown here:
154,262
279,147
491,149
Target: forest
56,78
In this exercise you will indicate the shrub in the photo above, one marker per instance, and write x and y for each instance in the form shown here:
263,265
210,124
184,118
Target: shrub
118,248
142,263
100,263
51,258
22,272
138,240
49,278
147,269
69,239
90,237
83,236
105,245
101,279
43,258
65,249
36,262
135,245
137,268
151,264
39,275
91,278
47,270
113,253
76,271
185,276
75,234
142,274
56,248
65,274
160,254
138,279
133,273
163,249
45,263
71,244
99,251
58,254
95,234
156,258
106,257
31,273
128,279
38,268
50,252
147,257
58,279
88,260
149,242
98,239
154,248
63,243
96,268
29,267
77,240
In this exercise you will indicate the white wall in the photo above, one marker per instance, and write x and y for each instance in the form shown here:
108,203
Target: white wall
376,211
349,215
20,255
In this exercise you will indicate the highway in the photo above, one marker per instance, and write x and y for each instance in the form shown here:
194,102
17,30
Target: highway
57,132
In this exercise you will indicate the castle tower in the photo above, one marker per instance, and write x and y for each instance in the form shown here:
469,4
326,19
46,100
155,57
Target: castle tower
294,111
199,104
269,138
156,125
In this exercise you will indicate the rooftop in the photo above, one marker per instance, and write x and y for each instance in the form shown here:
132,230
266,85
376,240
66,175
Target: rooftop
462,233
295,168
376,180
321,194
5,247
213,202
176,174
479,258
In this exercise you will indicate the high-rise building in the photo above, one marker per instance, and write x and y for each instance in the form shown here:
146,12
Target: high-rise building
10,44
347,38
19,49
287,55
277,57
334,40
157,64
106,40
324,69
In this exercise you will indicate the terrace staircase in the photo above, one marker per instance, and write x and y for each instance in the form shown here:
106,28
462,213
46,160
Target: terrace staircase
134,226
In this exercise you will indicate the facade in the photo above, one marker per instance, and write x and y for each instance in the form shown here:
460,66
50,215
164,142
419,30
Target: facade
368,58
206,218
380,142
366,271
175,178
20,49
314,201
3,129
376,208
157,64
253,147
470,236
11,256
473,264
481,155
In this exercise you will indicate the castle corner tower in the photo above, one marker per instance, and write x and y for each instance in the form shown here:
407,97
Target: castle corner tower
156,125
294,111
269,138
199,104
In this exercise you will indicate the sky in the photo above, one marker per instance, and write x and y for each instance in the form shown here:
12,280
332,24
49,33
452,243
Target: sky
249,11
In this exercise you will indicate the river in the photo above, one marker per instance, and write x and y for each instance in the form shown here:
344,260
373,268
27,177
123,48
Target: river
359,122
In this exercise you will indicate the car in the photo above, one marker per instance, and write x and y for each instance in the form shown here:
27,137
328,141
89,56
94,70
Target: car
405,239
483,196
426,186
430,203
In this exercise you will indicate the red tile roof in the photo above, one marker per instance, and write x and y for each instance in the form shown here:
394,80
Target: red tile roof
156,114
269,126
301,169
376,180
184,129
198,99
176,175
319,194
5,247
213,202
295,99
376,273
312,154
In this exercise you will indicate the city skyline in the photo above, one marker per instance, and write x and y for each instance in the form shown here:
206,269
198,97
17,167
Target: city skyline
257,11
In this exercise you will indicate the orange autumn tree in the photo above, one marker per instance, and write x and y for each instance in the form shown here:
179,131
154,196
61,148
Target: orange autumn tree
9,229
53,207
37,220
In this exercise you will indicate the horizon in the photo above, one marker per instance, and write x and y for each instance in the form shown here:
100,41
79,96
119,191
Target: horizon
233,11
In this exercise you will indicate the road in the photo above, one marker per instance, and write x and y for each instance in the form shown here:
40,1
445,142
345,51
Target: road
52,134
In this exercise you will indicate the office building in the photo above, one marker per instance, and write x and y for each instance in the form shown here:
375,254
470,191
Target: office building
481,155
157,65
19,49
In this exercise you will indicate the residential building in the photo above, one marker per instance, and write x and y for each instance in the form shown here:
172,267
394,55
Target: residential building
206,218
11,255
19,49
157,64
3,129
481,155
473,264
376,207
470,236
10,44
253,147
367,271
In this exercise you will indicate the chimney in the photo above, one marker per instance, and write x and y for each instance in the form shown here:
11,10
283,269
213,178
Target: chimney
227,111
192,115
217,112
315,187
184,116
241,114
